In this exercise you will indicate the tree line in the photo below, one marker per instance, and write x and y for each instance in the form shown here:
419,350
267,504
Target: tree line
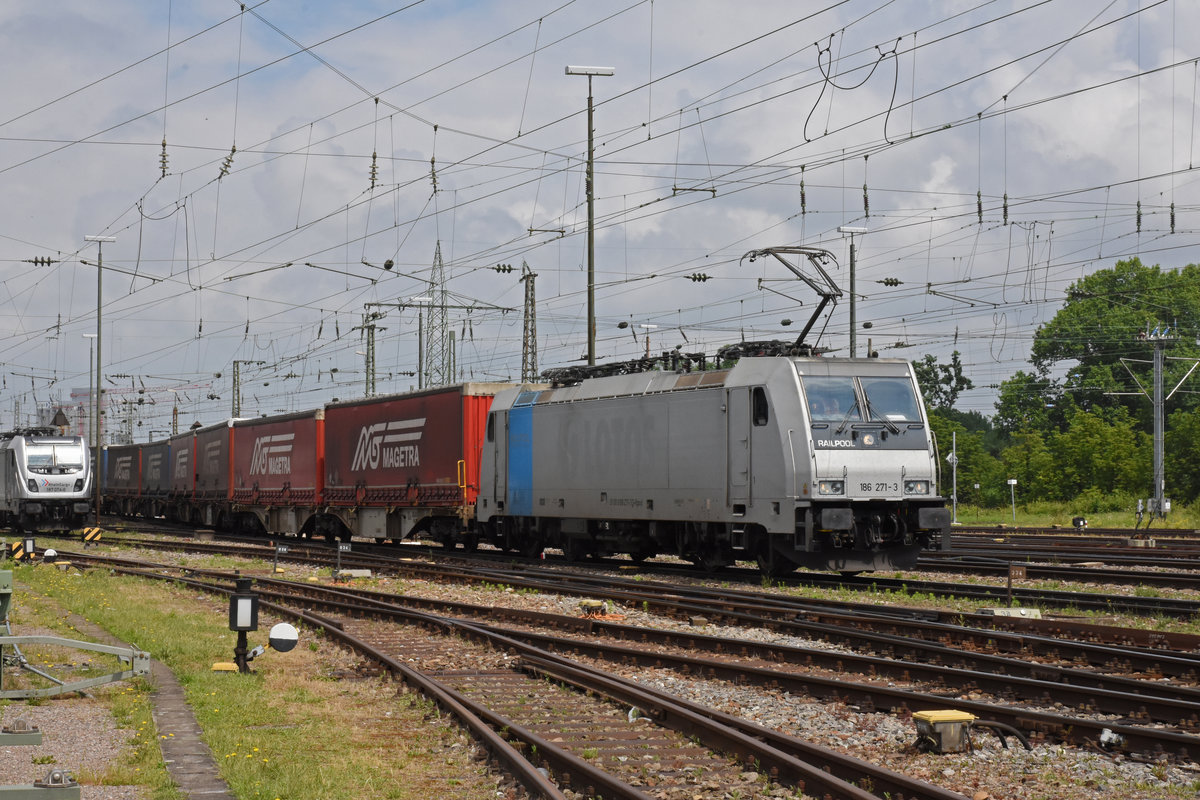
1077,425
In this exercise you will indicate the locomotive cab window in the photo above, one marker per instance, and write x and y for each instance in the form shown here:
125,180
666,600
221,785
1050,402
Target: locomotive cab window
491,428
831,399
891,399
759,403
46,457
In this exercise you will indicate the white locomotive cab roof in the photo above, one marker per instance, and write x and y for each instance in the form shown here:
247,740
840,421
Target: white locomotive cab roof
852,366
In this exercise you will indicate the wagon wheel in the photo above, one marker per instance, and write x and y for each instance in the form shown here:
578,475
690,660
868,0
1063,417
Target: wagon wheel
532,547
575,549
643,553
775,567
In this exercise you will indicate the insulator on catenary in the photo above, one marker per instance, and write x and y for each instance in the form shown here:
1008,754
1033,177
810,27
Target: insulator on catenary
803,202
1172,217
979,206
228,162
162,158
1139,216
1006,208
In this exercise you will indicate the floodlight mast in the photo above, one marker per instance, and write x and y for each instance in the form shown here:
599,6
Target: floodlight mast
591,72
852,229
99,240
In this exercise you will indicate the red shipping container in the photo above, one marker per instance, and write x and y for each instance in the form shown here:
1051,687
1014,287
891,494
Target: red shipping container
183,471
213,452
156,469
280,460
122,471
420,449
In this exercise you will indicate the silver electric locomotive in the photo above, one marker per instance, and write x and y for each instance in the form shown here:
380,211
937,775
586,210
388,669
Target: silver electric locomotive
827,463
45,480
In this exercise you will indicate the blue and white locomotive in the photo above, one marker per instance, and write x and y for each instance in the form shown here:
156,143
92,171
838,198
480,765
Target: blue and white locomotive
45,480
826,463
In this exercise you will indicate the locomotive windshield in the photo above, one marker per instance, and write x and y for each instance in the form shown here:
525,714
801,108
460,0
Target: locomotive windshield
831,399
888,399
891,399
47,457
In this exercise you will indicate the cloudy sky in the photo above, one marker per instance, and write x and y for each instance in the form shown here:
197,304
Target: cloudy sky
995,152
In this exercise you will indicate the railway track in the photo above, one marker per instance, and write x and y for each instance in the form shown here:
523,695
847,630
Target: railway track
1025,676
572,720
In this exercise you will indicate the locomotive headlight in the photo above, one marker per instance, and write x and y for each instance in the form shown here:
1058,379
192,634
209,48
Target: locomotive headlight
916,487
79,484
32,484
831,487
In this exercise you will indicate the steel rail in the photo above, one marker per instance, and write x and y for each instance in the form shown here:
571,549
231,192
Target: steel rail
751,750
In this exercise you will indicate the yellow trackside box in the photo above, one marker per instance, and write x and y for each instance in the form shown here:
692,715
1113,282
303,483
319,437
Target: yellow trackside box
944,730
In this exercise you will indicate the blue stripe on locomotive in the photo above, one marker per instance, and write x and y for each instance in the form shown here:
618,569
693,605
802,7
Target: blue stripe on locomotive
520,455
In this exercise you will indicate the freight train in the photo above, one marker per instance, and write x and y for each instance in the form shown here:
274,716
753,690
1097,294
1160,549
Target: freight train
785,460
45,480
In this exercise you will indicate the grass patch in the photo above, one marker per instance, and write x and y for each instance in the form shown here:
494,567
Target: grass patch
290,729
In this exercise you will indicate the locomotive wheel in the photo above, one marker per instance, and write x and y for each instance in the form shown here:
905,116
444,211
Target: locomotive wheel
470,542
532,548
710,559
774,567
641,555
575,550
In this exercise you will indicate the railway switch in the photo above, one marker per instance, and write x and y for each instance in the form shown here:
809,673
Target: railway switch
943,731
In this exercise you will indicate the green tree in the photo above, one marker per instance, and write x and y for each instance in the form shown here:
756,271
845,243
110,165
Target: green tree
1027,403
1106,318
975,464
1096,454
1181,459
941,384
1028,459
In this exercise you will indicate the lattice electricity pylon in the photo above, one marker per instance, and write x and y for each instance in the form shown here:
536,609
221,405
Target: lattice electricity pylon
529,369
437,362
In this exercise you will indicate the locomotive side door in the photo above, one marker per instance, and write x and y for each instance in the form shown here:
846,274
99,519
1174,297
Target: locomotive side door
737,420
498,431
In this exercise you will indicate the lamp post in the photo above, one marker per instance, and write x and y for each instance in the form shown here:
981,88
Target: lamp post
99,240
591,72
850,229
91,337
